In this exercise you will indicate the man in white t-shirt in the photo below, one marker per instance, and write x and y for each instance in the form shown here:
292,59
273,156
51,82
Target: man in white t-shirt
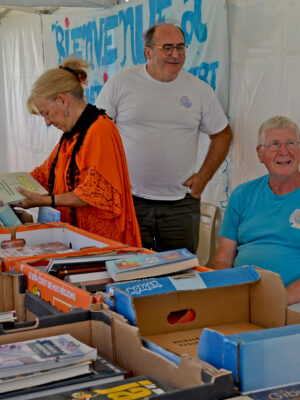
160,110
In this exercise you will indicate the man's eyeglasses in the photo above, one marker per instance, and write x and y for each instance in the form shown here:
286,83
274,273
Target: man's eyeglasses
168,48
275,146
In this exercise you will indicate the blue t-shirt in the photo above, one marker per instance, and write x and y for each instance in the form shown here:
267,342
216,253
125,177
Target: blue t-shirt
266,227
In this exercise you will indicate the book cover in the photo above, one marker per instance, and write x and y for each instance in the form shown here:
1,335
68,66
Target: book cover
289,392
140,387
42,354
48,214
101,371
147,265
8,217
9,182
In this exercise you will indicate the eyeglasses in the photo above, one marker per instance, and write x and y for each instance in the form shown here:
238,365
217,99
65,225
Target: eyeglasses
275,146
168,48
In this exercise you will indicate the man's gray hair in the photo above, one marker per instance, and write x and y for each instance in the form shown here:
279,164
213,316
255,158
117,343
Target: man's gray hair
277,122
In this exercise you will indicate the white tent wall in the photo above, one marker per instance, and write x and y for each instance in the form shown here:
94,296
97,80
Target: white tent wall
264,74
25,141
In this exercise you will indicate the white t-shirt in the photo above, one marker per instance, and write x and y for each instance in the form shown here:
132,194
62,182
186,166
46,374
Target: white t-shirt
160,123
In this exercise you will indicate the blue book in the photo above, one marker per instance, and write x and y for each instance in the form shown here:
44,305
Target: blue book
147,265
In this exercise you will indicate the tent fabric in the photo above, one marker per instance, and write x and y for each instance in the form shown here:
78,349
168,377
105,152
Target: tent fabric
58,3
264,74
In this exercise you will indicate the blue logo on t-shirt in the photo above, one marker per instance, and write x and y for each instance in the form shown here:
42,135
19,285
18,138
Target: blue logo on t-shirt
185,102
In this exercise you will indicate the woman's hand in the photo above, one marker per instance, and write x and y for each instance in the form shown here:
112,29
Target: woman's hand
32,199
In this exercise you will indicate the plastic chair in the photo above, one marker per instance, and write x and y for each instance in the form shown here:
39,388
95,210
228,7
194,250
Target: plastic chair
206,246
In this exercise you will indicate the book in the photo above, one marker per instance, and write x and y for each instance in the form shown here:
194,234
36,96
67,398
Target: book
140,387
101,371
147,265
8,316
48,214
286,392
94,286
8,217
9,181
34,249
42,354
102,276
81,262
42,377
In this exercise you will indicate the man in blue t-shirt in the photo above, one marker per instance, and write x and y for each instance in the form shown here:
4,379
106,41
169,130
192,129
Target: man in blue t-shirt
261,224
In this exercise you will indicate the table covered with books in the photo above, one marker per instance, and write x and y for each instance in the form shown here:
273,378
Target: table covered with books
159,322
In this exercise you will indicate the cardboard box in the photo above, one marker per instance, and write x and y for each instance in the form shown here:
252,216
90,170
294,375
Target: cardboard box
95,328
13,296
259,359
77,239
62,295
170,317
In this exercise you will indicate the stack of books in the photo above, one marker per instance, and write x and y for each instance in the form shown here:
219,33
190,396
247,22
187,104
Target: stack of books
86,272
92,273
38,361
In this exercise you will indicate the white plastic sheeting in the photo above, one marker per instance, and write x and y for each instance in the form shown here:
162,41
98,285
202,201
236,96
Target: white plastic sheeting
264,74
24,142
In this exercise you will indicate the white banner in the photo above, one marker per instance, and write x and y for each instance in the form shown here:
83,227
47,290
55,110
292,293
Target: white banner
111,39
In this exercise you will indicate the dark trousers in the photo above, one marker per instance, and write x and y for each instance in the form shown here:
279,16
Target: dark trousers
168,225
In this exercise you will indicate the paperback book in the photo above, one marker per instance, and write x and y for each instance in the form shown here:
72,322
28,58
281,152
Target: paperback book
147,265
101,371
140,387
100,276
42,377
8,316
11,180
43,354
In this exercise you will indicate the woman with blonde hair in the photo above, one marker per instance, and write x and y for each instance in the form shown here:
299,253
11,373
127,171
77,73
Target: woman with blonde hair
86,174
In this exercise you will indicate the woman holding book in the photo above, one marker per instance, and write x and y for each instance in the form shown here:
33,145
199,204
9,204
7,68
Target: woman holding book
86,173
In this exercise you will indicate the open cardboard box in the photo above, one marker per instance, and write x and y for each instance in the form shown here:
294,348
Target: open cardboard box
62,295
13,296
77,239
170,320
96,328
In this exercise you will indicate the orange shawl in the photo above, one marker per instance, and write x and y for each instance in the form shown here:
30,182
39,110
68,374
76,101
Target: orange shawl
103,183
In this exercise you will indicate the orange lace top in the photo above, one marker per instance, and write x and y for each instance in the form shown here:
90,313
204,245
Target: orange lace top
103,183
